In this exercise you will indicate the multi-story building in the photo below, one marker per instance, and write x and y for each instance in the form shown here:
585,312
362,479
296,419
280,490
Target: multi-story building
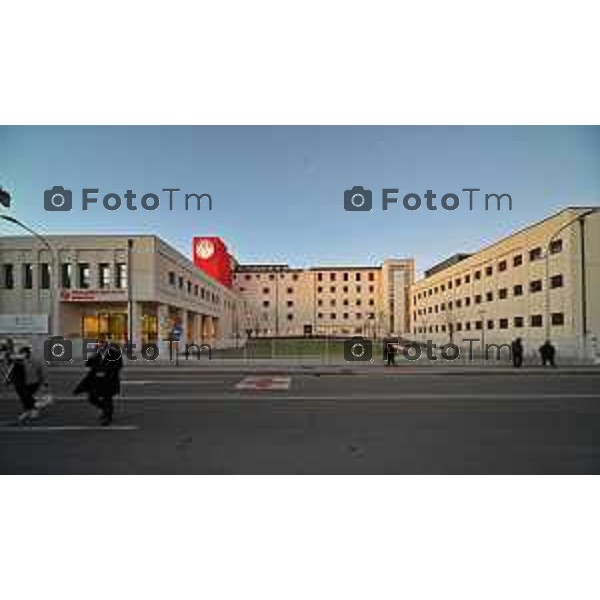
328,300
107,282
542,282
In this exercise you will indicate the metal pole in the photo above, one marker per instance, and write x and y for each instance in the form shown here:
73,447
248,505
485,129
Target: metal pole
129,294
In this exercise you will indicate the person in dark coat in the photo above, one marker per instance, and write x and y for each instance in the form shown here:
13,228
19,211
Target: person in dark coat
517,353
548,353
103,381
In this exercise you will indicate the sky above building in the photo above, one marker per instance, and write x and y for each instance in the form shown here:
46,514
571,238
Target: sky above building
278,192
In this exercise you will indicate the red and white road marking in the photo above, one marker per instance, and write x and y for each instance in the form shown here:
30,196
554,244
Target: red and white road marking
264,383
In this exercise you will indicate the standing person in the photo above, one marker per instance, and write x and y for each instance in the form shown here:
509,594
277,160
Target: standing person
26,375
517,352
548,353
103,382
390,355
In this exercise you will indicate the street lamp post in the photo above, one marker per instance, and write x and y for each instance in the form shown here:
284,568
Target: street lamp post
580,217
55,285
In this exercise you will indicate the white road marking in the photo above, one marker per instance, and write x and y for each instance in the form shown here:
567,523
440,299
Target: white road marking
264,383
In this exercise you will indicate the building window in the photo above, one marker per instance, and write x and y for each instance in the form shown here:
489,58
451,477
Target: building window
290,303
290,290
489,296
121,275
477,274
45,274
443,306
450,305
319,289
332,289
489,271
319,276
332,302
196,289
103,275
556,281
467,279
503,294
66,275
437,308
502,265
265,290
358,289
535,286
459,327
558,319
27,276
319,315
371,276
518,322
295,277
457,282
83,275
468,325
467,301
490,324
319,302
358,302
8,276
246,277
371,289
535,254
503,323
518,290
478,325
345,276
331,276
359,316
371,302
517,260
180,282
266,304
345,302
478,299
459,303
449,285
189,287
172,278
332,316
290,317
443,328
271,276
556,246
536,320
345,315
357,277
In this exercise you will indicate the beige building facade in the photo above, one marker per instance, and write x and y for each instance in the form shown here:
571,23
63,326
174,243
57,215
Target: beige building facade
327,300
103,278
542,282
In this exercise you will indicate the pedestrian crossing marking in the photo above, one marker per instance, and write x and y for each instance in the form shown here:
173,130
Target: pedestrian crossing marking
264,383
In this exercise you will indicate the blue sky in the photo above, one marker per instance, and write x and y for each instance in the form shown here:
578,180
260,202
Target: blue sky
278,191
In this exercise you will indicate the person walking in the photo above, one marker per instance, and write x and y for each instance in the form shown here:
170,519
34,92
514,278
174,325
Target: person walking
103,380
517,352
548,353
26,375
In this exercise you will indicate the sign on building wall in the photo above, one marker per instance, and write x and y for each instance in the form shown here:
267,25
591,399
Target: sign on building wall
27,324
93,296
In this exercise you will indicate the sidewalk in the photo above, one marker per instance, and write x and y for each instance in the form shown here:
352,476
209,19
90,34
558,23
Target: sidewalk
341,367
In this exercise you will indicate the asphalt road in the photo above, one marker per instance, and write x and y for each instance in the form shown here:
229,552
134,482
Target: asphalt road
185,421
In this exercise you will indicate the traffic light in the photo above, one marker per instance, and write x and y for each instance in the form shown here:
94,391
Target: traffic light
4,198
